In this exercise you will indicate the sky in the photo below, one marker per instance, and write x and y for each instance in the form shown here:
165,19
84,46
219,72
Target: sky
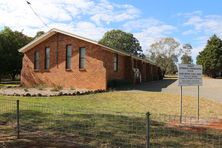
188,21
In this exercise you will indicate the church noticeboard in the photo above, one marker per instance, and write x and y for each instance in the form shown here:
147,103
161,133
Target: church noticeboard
190,75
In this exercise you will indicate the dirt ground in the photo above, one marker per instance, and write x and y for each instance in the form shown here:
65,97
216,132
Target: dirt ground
211,89
201,125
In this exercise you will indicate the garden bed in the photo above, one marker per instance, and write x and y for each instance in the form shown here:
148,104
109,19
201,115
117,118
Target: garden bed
44,92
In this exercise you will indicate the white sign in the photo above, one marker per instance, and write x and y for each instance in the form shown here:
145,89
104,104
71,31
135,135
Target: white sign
190,75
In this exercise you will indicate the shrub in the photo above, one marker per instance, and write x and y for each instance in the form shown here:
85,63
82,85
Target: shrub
57,88
40,87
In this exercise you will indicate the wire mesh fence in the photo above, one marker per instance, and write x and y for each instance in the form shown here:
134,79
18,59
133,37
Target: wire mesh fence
45,125
167,131
7,118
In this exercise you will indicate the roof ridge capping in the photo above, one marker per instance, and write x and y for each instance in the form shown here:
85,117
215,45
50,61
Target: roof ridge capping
53,31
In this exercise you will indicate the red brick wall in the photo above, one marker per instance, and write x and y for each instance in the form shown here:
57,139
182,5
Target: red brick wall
98,65
128,69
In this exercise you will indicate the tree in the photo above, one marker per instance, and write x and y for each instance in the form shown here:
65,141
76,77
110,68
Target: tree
121,40
186,58
164,53
211,57
10,58
38,34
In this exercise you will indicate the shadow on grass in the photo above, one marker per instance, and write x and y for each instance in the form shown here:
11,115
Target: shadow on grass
40,129
153,86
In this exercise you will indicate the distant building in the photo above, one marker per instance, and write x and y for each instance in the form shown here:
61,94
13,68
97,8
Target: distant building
59,58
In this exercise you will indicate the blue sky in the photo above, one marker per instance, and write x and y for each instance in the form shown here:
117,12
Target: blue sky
188,21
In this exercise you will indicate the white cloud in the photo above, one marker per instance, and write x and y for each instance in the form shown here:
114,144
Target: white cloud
197,12
104,12
88,18
83,28
206,24
188,32
148,31
81,16
89,30
15,15
200,27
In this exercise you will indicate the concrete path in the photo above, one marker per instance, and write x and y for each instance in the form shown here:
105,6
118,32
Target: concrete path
211,89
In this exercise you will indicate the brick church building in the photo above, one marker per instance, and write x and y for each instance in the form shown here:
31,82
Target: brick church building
59,58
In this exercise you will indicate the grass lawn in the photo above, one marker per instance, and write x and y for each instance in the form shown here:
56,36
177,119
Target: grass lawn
113,119
130,102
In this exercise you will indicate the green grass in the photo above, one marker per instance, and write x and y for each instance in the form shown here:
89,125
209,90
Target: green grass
114,119
130,102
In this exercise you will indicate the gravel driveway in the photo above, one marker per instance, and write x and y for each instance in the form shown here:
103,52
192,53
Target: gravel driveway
211,89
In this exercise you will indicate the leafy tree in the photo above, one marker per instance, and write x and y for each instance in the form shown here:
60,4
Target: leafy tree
38,34
10,58
172,67
186,49
186,58
121,40
211,57
164,53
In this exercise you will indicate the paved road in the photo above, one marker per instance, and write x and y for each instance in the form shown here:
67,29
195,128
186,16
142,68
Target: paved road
211,89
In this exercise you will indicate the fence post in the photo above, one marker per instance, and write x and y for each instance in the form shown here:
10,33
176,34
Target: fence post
17,119
148,130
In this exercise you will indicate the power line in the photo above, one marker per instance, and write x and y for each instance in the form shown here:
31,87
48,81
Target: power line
37,14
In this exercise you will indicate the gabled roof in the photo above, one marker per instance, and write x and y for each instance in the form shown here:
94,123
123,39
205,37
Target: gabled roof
54,31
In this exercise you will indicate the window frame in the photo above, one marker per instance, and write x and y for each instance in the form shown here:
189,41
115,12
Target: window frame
57,56
82,58
116,62
47,59
36,60
68,67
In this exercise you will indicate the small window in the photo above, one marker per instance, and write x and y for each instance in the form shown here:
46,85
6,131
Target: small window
115,62
47,58
68,56
82,53
36,60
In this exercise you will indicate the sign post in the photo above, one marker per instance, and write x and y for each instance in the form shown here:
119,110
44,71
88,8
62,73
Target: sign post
198,103
181,103
189,75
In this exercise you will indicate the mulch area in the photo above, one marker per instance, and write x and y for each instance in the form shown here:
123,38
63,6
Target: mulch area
198,126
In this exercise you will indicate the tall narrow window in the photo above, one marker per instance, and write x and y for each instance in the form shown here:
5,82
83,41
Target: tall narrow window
115,62
57,50
36,60
57,56
68,56
82,53
47,58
